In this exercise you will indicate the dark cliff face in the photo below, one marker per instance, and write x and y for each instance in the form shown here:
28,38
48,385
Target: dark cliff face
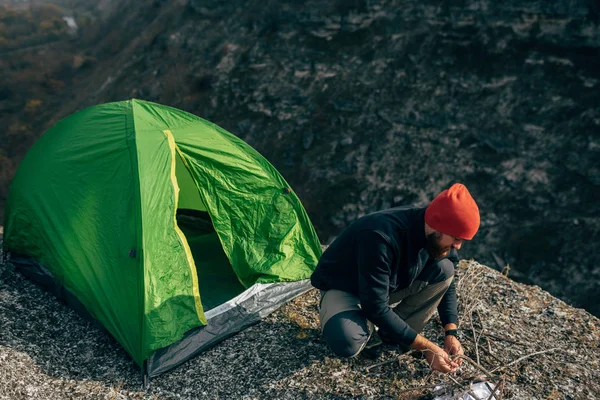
363,105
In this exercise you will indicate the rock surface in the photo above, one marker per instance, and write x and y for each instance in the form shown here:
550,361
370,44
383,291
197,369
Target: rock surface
48,352
363,105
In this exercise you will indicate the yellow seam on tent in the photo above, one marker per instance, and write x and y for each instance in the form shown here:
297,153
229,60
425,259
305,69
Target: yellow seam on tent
188,252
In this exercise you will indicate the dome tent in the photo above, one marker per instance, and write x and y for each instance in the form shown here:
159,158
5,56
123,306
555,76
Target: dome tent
165,228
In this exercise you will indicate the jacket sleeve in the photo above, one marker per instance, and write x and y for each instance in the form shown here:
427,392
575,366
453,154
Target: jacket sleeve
375,256
448,307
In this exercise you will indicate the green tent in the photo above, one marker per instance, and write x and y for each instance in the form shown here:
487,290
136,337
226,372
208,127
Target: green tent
165,228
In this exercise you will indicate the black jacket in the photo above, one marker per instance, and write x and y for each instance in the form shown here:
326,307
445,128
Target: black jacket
376,255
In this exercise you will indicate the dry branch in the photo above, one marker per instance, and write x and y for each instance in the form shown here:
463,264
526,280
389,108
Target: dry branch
523,358
398,359
475,340
418,388
492,391
503,338
481,368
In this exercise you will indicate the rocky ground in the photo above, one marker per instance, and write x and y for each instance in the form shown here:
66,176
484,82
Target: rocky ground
529,345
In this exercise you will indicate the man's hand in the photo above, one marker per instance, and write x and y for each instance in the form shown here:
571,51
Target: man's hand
439,360
453,347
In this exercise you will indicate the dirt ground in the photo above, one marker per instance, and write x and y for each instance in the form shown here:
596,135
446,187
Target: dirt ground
48,351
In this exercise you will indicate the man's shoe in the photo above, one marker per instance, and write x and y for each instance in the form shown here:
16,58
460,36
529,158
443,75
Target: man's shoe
373,348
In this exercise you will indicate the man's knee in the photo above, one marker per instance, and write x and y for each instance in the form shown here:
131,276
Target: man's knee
445,271
346,333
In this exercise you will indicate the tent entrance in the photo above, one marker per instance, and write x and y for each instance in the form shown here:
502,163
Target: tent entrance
217,281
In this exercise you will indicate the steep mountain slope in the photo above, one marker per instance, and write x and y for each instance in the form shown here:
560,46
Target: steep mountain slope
364,105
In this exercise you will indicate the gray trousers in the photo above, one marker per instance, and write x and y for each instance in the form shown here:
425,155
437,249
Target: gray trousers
346,329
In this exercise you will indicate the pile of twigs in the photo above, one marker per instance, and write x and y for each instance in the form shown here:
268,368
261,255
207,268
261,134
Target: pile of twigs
488,356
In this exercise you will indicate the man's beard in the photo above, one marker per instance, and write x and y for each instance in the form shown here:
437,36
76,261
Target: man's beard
433,246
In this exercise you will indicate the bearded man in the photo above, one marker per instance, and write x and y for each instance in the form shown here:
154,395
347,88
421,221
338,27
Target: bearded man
392,269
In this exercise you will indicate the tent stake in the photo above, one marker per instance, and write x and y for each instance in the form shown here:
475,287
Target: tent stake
145,377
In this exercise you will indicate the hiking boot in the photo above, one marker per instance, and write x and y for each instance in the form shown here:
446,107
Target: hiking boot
374,347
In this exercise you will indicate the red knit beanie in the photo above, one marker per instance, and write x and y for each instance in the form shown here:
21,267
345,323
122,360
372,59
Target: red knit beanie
454,212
